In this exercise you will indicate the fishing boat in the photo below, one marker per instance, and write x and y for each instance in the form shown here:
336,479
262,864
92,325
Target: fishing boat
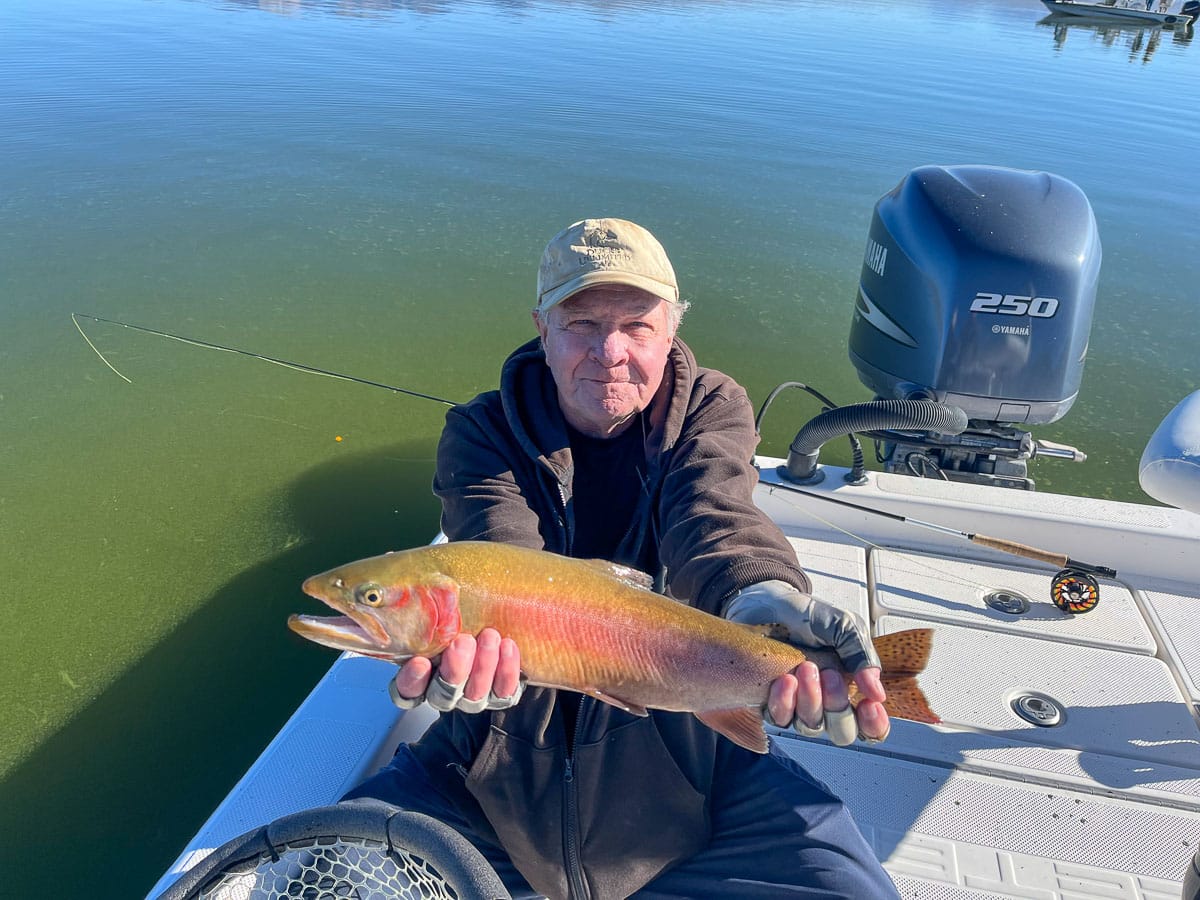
1115,12
1066,665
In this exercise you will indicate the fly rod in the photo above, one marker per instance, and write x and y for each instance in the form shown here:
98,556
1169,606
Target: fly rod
209,345
1074,589
1018,549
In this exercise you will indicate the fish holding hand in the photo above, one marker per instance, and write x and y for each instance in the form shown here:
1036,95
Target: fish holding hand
589,626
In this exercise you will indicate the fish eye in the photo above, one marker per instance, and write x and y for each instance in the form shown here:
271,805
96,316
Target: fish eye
369,594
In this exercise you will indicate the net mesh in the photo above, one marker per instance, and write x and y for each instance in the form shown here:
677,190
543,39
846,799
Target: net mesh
331,868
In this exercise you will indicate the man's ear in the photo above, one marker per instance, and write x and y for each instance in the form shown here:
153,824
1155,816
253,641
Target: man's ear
540,324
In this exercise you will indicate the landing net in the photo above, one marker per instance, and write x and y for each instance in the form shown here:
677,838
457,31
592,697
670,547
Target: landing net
358,850
328,868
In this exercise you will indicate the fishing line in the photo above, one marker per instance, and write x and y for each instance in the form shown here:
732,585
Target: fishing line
79,328
209,345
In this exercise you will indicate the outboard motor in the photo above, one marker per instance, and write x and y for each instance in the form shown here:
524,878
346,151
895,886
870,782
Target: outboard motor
977,291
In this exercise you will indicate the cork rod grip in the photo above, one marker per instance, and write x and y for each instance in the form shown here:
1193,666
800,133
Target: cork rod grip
1054,559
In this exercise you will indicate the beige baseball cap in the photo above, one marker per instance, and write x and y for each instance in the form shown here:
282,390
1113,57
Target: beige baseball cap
604,251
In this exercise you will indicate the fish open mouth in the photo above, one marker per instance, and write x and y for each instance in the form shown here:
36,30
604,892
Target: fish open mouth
341,633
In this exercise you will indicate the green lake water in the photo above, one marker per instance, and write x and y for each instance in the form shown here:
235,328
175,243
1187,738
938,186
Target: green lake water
366,186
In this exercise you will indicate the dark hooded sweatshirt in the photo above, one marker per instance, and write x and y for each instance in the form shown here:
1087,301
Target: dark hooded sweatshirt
599,809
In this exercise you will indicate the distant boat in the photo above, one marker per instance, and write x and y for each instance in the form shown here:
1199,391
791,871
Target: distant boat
1185,17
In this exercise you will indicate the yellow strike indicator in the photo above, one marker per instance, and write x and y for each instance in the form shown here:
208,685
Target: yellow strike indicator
338,438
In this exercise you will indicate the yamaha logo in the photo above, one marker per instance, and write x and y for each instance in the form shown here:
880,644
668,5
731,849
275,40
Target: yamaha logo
876,258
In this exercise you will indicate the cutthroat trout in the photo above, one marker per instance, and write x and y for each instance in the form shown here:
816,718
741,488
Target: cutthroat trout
584,625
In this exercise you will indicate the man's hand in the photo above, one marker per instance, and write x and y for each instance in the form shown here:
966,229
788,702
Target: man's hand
472,675
808,699
811,700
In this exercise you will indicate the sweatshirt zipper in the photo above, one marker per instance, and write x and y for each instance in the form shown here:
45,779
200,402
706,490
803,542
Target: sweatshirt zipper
576,886
564,518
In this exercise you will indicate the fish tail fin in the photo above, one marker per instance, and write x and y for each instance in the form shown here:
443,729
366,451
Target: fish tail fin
904,652
906,700
904,655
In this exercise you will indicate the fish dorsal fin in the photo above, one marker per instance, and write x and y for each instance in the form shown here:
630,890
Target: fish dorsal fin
617,702
743,725
625,574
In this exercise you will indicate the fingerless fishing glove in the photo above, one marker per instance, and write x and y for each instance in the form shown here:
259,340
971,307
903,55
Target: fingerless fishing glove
443,696
810,622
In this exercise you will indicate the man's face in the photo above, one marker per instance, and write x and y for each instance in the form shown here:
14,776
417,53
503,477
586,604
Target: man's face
607,349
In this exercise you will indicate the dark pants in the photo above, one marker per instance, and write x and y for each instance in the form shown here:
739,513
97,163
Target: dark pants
776,832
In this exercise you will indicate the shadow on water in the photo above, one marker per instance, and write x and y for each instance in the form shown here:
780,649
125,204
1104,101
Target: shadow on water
137,772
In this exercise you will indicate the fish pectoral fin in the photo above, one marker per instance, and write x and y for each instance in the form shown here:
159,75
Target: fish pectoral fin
743,725
617,702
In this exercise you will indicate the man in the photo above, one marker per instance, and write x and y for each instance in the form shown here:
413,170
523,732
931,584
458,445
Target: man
607,440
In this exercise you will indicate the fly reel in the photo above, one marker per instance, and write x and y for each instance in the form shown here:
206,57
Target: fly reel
1075,591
